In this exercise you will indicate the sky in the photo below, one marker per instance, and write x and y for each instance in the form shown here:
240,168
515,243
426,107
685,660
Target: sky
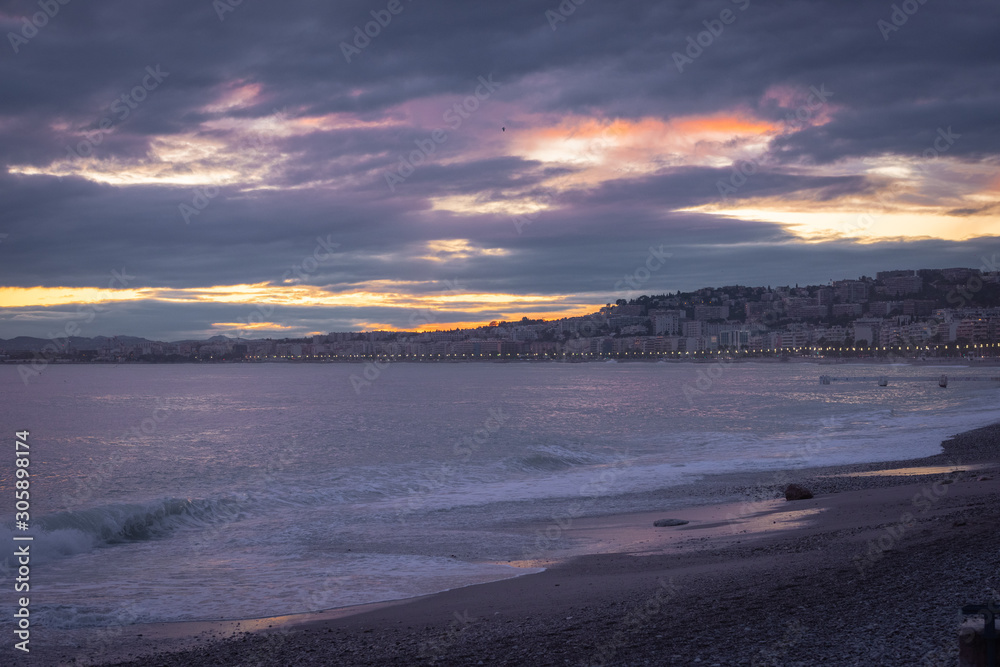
185,169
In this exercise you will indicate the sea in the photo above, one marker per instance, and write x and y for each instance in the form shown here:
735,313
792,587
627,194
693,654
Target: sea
164,493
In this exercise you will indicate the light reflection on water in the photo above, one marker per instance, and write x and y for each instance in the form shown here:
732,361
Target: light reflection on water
290,472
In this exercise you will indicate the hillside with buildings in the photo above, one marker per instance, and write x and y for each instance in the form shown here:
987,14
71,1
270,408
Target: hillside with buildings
927,309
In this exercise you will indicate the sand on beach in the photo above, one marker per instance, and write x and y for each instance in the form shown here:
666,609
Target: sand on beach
872,571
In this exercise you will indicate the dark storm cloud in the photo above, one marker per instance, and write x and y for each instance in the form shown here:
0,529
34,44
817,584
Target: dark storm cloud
923,132
252,238
67,90
605,53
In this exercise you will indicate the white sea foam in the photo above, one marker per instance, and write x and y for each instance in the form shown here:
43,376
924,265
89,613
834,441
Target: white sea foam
276,489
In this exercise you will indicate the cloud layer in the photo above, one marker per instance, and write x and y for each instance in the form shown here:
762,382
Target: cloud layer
479,160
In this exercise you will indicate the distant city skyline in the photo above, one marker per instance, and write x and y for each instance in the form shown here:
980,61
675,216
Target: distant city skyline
922,308
194,167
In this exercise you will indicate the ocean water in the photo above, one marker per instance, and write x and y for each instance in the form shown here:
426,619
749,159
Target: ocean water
193,492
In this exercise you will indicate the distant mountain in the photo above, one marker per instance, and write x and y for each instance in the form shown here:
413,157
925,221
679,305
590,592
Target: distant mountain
32,344
219,338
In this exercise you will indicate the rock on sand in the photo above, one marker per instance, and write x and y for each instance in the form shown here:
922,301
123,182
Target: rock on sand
797,492
662,523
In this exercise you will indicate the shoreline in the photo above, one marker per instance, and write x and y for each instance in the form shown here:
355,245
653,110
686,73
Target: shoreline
706,357
636,562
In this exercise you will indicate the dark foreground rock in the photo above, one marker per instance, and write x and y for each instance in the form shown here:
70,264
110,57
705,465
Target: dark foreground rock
663,523
797,492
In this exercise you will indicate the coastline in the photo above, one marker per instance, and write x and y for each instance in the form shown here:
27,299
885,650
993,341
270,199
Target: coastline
743,582
706,357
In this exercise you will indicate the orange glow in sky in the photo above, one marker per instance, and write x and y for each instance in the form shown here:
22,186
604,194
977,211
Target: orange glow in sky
429,308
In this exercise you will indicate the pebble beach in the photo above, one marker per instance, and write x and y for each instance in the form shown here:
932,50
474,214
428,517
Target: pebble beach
873,570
